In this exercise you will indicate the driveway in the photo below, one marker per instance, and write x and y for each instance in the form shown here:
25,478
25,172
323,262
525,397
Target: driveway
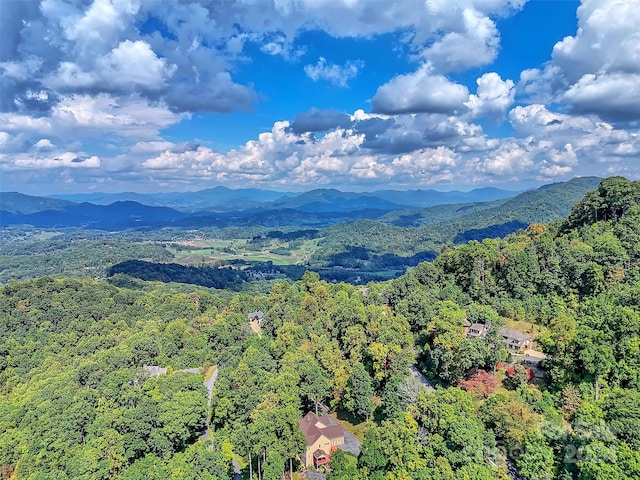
351,443
423,380
313,475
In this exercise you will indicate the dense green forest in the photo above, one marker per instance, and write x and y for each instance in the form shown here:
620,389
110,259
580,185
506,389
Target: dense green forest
76,402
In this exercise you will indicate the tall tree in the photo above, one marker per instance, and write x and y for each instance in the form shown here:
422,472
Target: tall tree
341,468
358,393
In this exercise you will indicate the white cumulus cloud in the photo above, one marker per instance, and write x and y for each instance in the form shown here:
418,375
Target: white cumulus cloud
421,91
339,75
474,44
595,71
493,97
75,160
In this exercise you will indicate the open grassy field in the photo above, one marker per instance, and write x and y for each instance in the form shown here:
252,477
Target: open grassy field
212,250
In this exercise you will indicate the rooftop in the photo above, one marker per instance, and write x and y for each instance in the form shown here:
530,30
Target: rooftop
313,426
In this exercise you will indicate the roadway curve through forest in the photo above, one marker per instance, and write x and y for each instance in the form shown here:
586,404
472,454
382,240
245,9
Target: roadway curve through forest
209,386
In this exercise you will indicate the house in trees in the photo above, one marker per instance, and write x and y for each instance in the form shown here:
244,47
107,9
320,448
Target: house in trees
256,317
514,340
466,325
477,330
324,435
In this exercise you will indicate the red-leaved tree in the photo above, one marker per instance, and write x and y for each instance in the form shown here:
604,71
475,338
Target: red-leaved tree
481,384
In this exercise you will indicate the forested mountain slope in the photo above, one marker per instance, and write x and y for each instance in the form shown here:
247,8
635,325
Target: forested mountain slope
14,202
577,285
446,224
75,401
547,203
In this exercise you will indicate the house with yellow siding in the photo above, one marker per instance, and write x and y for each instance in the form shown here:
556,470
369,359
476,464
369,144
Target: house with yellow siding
324,435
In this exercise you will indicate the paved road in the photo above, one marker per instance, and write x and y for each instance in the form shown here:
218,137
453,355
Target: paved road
423,380
209,386
190,370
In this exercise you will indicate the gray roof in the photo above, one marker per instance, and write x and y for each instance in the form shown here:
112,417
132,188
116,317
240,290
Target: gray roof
477,330
510,334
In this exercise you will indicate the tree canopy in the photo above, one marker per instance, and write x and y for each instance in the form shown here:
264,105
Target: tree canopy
76,400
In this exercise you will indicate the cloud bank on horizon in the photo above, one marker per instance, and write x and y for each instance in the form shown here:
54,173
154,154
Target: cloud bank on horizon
114,95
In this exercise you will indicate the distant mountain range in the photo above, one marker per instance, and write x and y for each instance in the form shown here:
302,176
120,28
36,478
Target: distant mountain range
430,198
223,207
222,199
547,203
117,216
216,199
324,201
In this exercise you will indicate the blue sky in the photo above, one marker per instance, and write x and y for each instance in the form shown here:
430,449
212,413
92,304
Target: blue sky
168,95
